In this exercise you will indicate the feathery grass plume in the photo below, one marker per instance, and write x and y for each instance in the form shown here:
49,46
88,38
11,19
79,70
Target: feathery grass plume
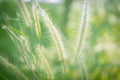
26,50
82,30
25,13
56,37
25,44
14,37
13,69
29,60
45,62
14,34
36,19
21,42
55,34
10,32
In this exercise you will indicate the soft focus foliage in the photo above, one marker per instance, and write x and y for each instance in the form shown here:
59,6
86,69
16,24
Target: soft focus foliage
100,58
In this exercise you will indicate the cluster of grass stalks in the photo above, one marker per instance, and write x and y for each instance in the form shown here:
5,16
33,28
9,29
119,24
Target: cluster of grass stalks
27,37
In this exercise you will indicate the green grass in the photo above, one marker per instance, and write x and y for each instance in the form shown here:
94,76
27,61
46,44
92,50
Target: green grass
83,50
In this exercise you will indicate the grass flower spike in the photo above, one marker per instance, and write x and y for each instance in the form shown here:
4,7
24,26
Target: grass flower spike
54,33
12,68
45,62
36,19
56,38
82,29
25,12
29,34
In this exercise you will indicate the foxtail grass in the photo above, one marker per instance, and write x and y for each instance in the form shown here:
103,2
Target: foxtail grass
81,39
25,12
12,68
36,19
21,41
45,62
27,41
56,37
82,30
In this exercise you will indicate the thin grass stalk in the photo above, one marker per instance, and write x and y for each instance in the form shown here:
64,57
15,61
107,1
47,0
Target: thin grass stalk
10,32
45,62
83,69
13,69
25,13
82,30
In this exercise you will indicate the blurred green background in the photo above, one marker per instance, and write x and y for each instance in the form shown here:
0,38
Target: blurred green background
102,57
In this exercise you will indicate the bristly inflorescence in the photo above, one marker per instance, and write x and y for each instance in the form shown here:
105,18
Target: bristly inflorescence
12,68
33,55
36,19
45,62
82,34
55,35
26,13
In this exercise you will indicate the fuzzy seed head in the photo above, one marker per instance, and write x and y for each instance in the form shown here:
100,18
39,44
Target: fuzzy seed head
36,19
82,34
55,35
25,43
45,62
26,13
12,68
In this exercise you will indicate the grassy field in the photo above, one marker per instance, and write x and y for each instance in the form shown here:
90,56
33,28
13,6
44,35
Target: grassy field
60,40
